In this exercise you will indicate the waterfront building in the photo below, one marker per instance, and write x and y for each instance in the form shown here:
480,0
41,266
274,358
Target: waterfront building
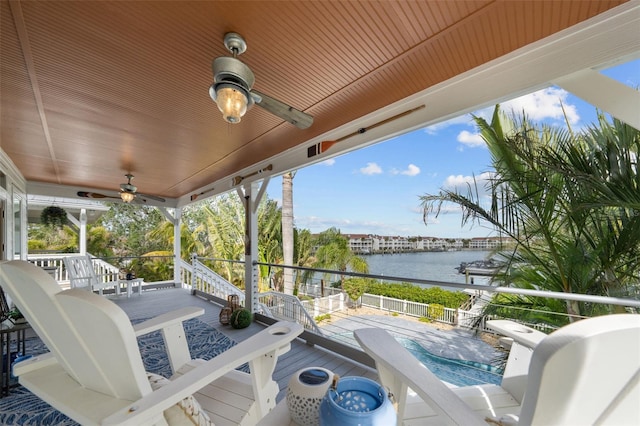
370,243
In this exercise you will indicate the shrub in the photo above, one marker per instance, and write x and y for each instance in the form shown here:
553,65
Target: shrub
355,287
414,293
435,311
324,317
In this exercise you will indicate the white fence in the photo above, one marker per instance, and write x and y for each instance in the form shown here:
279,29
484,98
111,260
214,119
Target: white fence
325,305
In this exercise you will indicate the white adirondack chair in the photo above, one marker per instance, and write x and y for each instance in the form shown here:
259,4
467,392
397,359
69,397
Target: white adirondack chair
82,275
587,372
94,373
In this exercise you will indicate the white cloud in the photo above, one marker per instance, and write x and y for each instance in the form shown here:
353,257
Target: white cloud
371,169
461,182
412,170
328,162
472,140
543,105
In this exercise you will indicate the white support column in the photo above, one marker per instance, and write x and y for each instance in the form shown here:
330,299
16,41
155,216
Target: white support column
607,94
251,194
177,246
176,220
83,231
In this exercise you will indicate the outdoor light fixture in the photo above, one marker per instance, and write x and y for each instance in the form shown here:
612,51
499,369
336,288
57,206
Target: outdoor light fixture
232,88
232,81
232,100
127,197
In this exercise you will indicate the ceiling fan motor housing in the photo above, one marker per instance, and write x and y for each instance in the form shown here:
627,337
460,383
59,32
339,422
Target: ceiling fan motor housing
233,72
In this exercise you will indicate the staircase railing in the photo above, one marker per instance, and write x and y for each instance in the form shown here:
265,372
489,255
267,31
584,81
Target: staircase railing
207,281
272,304
288,307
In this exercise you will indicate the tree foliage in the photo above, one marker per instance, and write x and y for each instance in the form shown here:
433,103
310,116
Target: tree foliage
569,201
334,253
355,287
129,225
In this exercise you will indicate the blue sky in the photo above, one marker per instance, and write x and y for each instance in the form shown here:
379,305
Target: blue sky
375,190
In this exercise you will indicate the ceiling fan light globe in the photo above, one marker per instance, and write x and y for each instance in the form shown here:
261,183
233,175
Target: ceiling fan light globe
231,102
127,197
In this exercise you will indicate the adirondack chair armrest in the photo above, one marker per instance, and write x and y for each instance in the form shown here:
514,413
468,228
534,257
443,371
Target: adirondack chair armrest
399,370
175,341
260,348
525,336
159,322
35,363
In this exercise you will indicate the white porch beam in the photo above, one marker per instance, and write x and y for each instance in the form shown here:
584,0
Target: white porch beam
606,94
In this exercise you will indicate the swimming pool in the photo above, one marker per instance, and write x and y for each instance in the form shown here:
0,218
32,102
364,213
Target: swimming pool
456,372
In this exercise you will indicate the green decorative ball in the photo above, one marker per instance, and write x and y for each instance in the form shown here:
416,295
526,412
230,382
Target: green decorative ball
241,318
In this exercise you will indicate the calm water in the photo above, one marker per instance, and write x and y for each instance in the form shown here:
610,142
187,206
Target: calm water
438,266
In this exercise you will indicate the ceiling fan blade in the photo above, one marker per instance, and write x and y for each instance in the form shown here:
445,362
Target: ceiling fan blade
152,197
95,195
288,113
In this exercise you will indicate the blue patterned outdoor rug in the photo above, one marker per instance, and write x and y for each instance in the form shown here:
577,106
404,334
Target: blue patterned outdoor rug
21,407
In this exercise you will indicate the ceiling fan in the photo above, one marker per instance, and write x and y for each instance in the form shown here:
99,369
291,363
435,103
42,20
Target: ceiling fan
232,88
128,192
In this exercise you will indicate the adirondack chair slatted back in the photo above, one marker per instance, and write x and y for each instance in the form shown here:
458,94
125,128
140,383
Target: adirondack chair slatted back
586,373
81,272
91,337
115,365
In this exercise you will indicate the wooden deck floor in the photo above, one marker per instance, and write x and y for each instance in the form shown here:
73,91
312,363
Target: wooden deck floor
301,355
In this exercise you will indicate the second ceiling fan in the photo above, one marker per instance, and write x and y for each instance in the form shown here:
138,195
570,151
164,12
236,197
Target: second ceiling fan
232,88
128,193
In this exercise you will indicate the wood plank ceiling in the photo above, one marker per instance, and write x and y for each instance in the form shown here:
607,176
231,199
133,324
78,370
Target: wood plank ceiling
91,90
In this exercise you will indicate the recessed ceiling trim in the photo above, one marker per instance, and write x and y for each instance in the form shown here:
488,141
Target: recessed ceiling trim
23,36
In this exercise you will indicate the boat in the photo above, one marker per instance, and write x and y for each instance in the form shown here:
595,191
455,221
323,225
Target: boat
480,267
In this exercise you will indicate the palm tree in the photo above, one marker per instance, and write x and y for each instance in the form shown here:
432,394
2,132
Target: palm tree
334,253
287,230
270,246
567,201
302,254
99,241
224,230
163,235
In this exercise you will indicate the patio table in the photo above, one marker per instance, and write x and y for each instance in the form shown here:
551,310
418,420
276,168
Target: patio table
130,283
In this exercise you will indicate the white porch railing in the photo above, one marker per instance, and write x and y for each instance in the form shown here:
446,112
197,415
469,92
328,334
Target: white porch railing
286,306
205,280
53,261
103,269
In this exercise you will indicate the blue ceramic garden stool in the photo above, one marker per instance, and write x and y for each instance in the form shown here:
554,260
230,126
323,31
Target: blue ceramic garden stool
357,401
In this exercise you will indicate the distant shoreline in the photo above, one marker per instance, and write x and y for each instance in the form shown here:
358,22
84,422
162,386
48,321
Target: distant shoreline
418,251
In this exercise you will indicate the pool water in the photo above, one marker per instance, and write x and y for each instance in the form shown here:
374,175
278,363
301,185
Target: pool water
456,372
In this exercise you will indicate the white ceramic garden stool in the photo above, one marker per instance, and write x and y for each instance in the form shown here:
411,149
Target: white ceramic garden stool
306,389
